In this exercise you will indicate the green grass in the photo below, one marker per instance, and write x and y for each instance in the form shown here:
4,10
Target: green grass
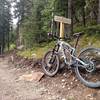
91,37
38,50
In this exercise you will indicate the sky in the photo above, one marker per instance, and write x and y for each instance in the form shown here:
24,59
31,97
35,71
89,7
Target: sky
12,12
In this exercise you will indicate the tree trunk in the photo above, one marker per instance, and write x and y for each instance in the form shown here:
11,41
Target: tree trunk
83,16
17,36
8,42
69,8
99,13
70,13
3,44
52,23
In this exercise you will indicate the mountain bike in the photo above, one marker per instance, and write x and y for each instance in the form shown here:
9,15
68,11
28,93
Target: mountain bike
86,65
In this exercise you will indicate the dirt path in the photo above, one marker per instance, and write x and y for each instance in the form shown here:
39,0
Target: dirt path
12,89
57,88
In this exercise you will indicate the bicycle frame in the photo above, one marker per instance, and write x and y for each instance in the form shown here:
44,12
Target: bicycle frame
60,48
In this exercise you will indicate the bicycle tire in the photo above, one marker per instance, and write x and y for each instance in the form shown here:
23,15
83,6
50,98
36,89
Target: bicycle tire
44,60
79,76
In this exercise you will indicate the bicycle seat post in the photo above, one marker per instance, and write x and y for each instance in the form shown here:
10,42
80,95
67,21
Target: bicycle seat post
77,40
78,37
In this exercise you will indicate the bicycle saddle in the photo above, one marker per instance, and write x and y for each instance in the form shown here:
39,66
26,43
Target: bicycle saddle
78,34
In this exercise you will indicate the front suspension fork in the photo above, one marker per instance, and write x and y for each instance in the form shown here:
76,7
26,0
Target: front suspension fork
55,50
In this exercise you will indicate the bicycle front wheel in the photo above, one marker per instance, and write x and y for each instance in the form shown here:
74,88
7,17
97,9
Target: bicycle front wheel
50,63
89,76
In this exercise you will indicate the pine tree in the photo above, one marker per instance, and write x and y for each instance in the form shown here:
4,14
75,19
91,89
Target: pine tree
5,24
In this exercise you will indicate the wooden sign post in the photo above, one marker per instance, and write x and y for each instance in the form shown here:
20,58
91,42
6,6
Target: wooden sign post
61,30
62,21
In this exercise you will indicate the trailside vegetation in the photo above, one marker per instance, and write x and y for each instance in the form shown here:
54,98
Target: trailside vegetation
35,19
5,24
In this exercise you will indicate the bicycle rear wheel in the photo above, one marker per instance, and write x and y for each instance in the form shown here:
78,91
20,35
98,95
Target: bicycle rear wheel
90,76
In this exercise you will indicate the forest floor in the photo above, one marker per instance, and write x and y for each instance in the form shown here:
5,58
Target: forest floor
64,86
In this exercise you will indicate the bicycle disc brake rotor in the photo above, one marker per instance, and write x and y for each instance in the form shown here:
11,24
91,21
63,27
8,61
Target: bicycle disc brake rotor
50,61
91,67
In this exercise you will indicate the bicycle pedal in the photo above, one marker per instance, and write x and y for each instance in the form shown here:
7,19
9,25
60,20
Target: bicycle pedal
68,67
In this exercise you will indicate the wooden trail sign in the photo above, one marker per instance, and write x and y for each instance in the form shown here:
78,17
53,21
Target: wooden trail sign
62,21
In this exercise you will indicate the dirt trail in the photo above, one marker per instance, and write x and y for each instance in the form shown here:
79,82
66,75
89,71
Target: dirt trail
12,89
56,88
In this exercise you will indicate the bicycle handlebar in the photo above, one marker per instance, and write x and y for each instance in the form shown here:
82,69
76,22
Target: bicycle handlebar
59,38
66,38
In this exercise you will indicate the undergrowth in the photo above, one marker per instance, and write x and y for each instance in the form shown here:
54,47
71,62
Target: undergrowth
90,38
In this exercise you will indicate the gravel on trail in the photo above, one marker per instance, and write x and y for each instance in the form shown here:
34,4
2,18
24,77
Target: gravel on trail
64,86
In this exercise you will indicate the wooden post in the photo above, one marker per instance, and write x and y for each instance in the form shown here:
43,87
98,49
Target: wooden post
61,30
62,21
